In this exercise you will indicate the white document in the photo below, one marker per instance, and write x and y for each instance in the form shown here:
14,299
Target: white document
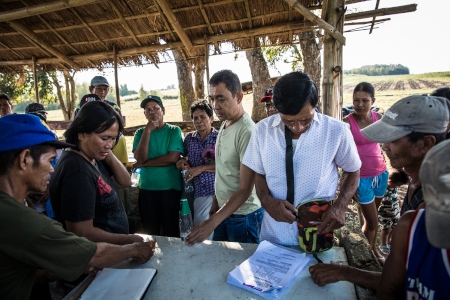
126,284
270,268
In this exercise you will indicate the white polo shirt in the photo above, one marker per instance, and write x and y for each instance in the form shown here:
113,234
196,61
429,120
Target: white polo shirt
325,146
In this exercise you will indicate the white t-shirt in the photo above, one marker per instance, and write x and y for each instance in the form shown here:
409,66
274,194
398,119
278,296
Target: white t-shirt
325,146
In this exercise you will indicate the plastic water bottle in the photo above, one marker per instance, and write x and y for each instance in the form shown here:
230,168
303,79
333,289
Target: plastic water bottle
135,174
185,220
188,186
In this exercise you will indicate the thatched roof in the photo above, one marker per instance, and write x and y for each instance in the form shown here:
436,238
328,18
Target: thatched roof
73,34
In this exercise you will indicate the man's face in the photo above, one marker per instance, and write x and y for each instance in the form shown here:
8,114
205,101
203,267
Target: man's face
101,91
270,108
39,176
222,101
153,112
403,154
5,108
300,122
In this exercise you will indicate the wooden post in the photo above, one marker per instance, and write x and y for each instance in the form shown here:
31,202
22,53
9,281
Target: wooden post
36,87
207,64
116,77
332,62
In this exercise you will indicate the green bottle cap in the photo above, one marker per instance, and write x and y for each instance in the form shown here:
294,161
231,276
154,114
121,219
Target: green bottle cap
185,210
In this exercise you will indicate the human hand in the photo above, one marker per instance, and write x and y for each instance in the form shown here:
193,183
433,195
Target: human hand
192,172
143,251
280,210
151,125
138,165
323,274
332,218
200,232
180,163
134,238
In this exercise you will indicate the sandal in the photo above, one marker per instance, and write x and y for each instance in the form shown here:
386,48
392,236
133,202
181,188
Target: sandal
385,249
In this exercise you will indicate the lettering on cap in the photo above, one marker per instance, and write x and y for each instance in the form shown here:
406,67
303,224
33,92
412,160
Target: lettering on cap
391,115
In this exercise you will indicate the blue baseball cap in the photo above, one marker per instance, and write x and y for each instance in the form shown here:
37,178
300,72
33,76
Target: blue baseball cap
20,131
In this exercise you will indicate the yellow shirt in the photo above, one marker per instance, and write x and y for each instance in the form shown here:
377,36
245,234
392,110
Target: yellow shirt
120,150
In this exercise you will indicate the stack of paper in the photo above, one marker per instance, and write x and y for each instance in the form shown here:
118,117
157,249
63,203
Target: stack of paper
123,284
269,271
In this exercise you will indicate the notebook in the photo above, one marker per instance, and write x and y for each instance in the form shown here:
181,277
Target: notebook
119,284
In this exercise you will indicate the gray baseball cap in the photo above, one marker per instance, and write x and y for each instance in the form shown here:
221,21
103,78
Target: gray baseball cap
435,177
417,113
99,80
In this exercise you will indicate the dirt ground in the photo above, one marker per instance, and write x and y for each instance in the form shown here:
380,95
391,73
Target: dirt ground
397,85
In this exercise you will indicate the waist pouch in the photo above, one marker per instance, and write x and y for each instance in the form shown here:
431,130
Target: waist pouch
308,219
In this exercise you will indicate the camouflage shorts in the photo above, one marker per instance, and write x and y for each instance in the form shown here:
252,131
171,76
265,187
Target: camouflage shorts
389,211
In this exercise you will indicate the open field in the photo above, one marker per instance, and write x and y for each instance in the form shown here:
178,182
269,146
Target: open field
389,89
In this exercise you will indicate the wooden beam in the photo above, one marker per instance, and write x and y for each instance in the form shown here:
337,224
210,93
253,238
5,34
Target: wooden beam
12,50
54,31
207,64
116,77
367,22
374,18
124,23
176,25
347,2
198,42
19,27
382,12
88,27
316,20
205,16
35,77
42,9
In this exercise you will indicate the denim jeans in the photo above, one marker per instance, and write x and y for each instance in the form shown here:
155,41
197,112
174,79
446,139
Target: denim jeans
240,228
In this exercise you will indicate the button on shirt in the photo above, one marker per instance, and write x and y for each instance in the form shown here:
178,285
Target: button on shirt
193,149
325,146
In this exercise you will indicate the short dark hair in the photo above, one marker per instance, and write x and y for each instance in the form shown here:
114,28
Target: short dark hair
365,87
7,157
4,96
398,176
293,91
201,104
94,116
230,79
442,92
414,137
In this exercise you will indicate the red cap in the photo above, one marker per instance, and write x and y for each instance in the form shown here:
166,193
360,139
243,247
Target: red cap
268,94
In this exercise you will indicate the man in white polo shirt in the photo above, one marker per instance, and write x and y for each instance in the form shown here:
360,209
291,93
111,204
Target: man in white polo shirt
321,146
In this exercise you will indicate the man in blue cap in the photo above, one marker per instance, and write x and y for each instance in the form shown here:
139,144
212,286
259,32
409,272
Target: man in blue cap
28,240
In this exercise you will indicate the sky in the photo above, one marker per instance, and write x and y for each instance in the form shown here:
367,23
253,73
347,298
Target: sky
418,40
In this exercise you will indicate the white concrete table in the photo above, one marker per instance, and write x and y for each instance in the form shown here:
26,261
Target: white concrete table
200,272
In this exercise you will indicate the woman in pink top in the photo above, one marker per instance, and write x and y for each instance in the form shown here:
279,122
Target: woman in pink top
373,174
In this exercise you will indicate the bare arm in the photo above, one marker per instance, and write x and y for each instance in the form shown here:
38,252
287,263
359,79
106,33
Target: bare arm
108,255
160,161
393,278
141,151
334,217
86,229
119,172
323,274
247,180
279,209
